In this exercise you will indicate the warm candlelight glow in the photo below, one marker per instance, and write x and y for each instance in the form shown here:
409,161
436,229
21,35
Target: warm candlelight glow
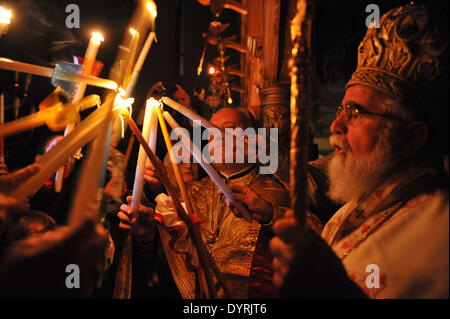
122,103
151,6
5,16
97,37
133,31
230,100
211,70
153,102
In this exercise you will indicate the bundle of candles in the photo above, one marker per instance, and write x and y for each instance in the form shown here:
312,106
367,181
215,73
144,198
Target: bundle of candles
96,128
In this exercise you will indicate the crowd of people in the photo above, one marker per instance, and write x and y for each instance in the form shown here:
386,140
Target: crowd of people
377,220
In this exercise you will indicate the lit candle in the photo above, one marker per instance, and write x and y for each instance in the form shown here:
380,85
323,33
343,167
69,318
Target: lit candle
59,154
140,62
151,6
220,183
91,51
131,55
89,59
149,131
5,20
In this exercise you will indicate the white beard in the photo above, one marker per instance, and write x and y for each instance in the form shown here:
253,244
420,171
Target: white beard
352,177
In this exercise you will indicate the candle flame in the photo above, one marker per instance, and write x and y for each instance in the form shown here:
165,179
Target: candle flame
211,70
154,103
230,100
121,103
133,31
151,6
5,16
97,37
124,106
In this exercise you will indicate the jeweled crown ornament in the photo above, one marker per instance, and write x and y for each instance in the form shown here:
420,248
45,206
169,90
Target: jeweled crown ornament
403,54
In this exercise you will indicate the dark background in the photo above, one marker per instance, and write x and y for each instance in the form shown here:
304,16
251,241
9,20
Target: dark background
38,35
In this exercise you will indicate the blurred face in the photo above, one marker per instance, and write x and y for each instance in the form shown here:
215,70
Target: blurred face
226,118
189,171
363,145
36,229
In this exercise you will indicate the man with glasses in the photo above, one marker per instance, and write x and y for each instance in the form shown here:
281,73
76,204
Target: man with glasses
390,239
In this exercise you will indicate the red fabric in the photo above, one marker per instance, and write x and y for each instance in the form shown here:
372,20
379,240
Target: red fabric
261,273
51,181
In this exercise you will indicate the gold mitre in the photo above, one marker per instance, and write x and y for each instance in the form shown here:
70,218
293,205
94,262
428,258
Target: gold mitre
403,55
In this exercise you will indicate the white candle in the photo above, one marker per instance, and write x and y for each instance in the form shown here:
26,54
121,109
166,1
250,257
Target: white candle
89,59
8,64
207,167
131,55
149,131
140,62
47,115
88,79
187,112
151,6
85,199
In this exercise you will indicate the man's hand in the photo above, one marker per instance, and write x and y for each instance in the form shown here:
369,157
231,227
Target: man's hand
305,266
151,178
141,223
155,86
182,97
282,246
36,267
260,209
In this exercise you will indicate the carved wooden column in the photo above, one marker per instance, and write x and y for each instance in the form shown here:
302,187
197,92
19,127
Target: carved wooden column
275,113
300,71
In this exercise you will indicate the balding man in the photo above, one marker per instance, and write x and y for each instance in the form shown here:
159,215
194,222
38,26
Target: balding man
229,238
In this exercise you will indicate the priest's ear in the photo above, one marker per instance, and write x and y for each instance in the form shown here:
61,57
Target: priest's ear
412,139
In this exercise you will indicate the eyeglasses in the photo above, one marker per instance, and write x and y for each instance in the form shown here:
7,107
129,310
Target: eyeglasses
353,111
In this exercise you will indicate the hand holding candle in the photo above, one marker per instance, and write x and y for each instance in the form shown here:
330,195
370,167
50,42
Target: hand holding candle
59,154
208,168
205,258
149,130
56,116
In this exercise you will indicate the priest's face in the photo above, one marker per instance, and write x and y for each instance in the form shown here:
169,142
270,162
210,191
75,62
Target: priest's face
227,118
189,171
363,144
